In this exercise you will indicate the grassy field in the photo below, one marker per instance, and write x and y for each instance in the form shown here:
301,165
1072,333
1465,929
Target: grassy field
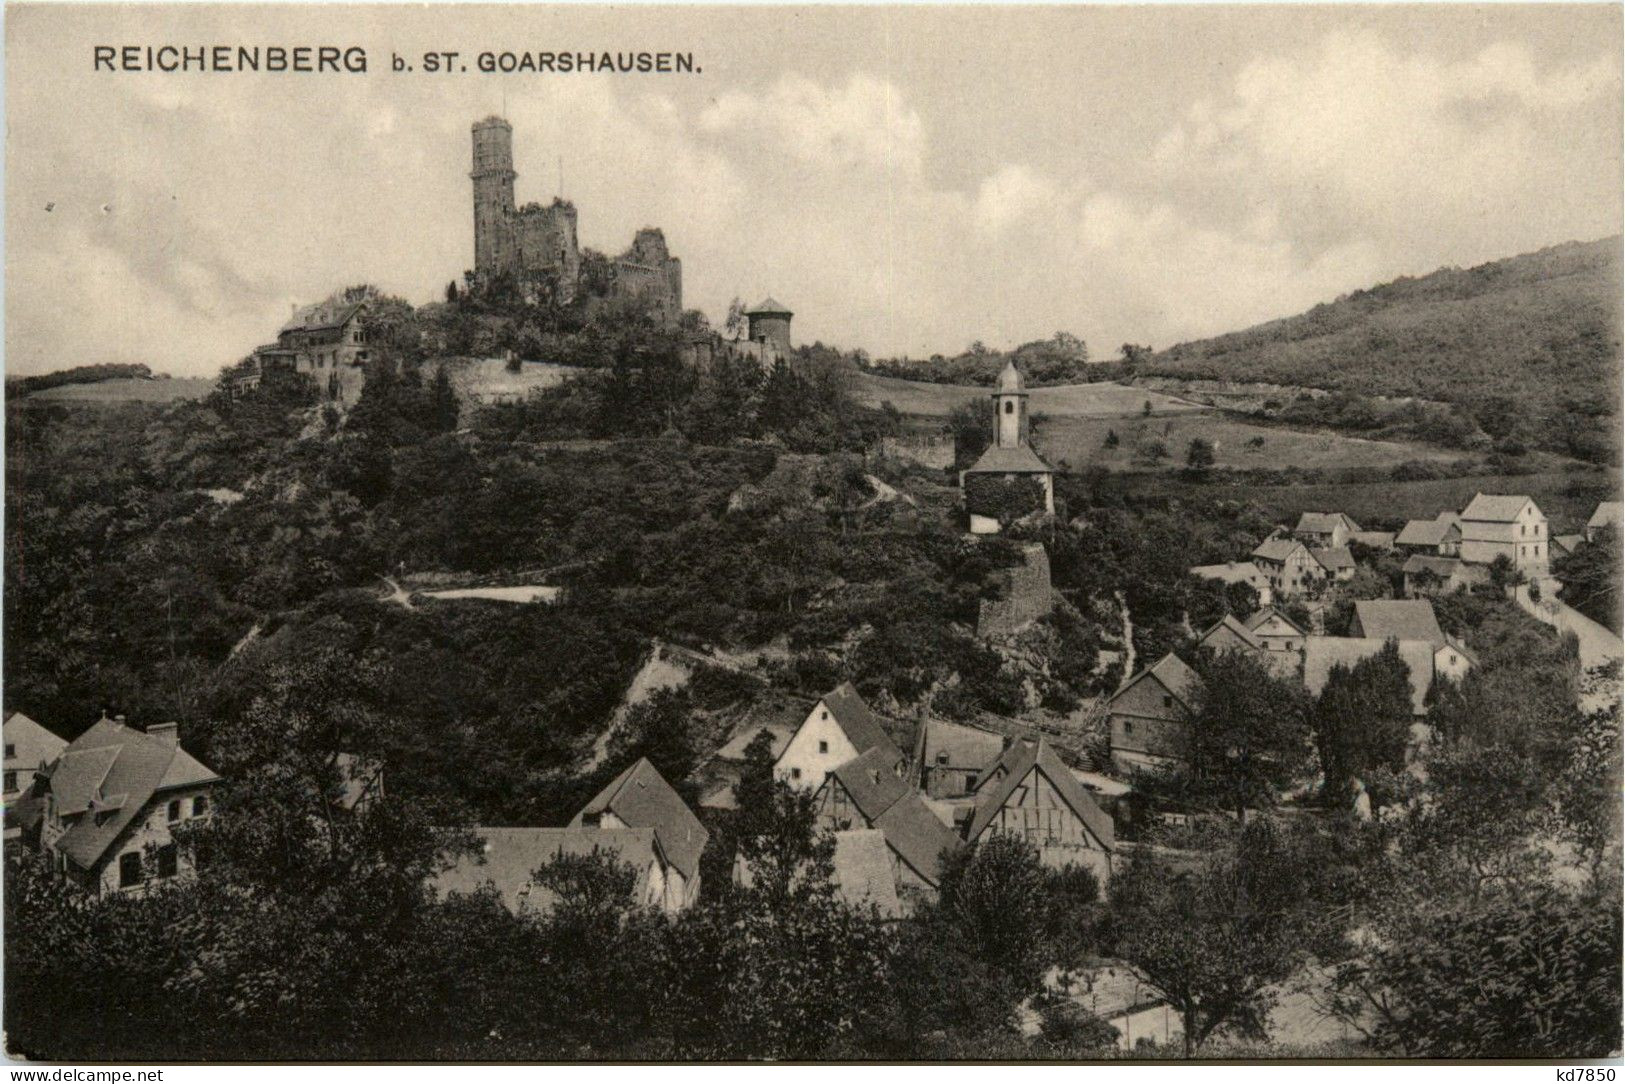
1567,497
1103,400
126,391
1080,442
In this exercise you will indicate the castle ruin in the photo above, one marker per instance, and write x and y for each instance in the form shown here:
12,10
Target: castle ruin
536,243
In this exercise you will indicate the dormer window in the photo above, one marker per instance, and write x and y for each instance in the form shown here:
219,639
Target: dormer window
942,758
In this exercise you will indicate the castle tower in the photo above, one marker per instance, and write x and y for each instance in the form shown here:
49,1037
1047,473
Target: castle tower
493,178
1010,408
770,322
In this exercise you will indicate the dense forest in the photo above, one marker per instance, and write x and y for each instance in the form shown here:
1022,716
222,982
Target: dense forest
1528,348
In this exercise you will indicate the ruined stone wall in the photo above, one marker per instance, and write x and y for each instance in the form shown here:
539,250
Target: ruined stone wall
1025,597
927,450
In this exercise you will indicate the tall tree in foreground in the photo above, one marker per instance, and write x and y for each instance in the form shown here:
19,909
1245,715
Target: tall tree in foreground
1362,719
1249,735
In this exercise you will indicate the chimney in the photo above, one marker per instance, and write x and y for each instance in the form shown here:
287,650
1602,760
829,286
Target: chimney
169,732
119,719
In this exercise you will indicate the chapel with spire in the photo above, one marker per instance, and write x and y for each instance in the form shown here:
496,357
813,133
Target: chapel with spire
1011,457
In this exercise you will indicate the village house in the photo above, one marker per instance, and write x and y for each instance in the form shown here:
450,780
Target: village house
1413,619
1291,569
1440,536
1031,794
860,872
1377,540
112,800
838,728
1608,514
865,793
640,797
951,759
1149,718
1396,619
1239,572
1337,563
1228,634
506,859
30,749
325,342
1325,530
1276,632
1427,576
1321,654
1505,526
1010,457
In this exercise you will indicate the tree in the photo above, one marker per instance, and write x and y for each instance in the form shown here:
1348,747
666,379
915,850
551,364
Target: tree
734,326
1362,719
1248,733
1214,937
1528,974
1590,577
1199,456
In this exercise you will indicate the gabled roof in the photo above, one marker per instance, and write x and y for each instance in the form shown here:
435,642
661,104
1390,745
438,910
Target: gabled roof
35,746
965,746
1428,532
1568,542
1278,548
1334,558
507,858
1608,514
1233,572
1491,508
1442,567
861,726
322,315
1399,619
106,776
1461,648
641,798
1324,523
897,810
1172,674
1018,460
1228,621
1257,620
1321,653
735,749
1021,760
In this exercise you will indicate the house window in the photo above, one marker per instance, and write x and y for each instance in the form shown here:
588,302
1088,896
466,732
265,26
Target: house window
175,810
970,780
168,861
1128,727
823,747
11,750
942,758
11,782
1009,406
795,773
129,869
1167,701
200,805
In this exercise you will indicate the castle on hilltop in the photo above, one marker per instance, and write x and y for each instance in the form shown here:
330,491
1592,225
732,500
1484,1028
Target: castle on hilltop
535,243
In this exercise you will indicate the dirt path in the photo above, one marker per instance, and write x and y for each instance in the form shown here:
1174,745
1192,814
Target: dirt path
1598,645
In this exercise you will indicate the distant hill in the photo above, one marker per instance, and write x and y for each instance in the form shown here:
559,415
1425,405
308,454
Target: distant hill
105,384
1536,336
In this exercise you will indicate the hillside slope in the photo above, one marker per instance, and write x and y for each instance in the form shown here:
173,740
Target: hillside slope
1541,330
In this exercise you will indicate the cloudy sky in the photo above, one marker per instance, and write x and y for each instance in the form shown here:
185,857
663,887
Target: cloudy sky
907,179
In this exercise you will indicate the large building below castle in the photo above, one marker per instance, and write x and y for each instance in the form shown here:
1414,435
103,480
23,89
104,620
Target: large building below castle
537,244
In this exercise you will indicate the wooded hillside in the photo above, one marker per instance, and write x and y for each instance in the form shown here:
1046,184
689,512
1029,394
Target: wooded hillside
1535,336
